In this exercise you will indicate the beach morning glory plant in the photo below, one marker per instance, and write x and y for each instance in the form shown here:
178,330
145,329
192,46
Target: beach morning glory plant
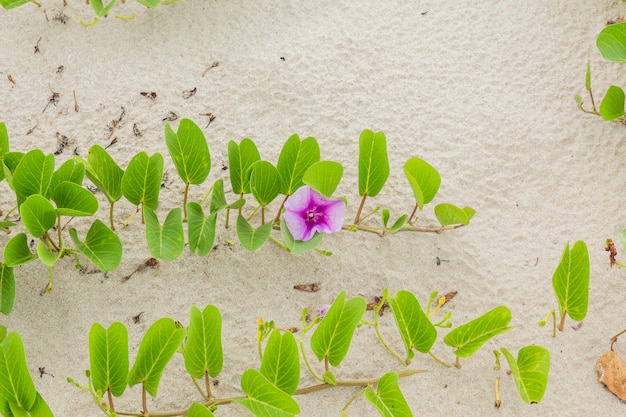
308,212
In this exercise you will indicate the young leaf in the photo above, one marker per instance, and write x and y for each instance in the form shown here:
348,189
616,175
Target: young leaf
17,252
469,337
263,398
264,182
294,159
588,77
7,289
612,42
189,151
251,238
33,174
449,214
104,172
46,256
108,357
389,400
157,347
99,8
203,351
333,335
11,4
373,162
141,183
240,159
16,385
4,139
571,281
530,372
168,241
73,200
10,163
201,229
281,362
622,238
150,3
39,409
71,171
424,180
37,214
415,328
323,177
198,410
101,246
612,105
298,246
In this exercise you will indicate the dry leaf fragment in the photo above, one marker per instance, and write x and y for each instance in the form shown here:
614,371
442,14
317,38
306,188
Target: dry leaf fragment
312,287
612,373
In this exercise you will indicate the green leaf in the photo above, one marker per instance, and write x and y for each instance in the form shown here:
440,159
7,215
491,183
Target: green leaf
168,241
71,171
101,246
612,42
530,372
281,362
198,410
588,77
294,159
46,256
108,357
263,398
612,106
298,246
37,214
333,335
33,174
10,163
17,252
415,328
240,158
389,400
398,223
622,238
323,177
203,351
16,385
150,3
73,200
571,281
424,180
104,172
99,8
201,229
251,238
7,289
264,182
12,4
189,151
40,408
4,140
157,348
373,162
141,183
469,337
449,214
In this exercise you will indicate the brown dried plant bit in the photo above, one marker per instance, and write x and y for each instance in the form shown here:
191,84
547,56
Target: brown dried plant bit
29,131
449,296
189,93
54,99
60,69
610,247
75,101
612,373
438,260
577,326
213,65
11,79
148,263
37,46
42,372
136,130
149,94
113,142
171,116
62,142
312,287
137,318
210,116
376,303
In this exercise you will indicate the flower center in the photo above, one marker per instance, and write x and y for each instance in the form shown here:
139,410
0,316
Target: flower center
311,214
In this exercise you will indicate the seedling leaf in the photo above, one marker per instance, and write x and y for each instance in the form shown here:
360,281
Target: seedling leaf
10,163
108,356
168,241
16,385
612,106
203,351
571,281
201,229
12,4
240,159
198,410
281,362
263,398
424,180
530,372
415,328
373,162
16,251
33,174
37,214
612,42
46,256
264,182
189,151
7,289
99,8
449,214
294,159
323,177
150,3
251,238
298,246
73,200
101,246
104,172
141,183
389,400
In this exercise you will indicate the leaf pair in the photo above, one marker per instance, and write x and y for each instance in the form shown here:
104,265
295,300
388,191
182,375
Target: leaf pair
571,282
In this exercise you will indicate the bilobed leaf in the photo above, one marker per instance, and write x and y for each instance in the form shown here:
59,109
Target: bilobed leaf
141,183
16,385
168,241
388,399
71,171
46,256
264,182
263,398
334,333
101,246
612,42
73,200
198,410
108,357
104,172
11,4
99,8
424,180
571,281
251,238
33,174
294,159
415,328
203,351
323,177
281,362
157,348
189,151
201,229
240,159
7,289
150,3
298,246
37,214
17,252
373,162
9,164
530,372
612,105
469,337
449,214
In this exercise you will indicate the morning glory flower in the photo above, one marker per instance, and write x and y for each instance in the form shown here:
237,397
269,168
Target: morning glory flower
323,310
308,212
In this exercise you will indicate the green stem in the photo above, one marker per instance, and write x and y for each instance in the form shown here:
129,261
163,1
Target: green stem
562,322
410,221
358,213
253,213
280,209
351,400
59,229
446,364
227,217
111,407
279,243
206,195
262,215
111,215
9,212
185,201
144,399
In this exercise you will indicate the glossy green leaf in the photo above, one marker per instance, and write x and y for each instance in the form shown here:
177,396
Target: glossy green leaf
415,328
240,158
16,385
469,337
104,172
38,215
373,162
108,358
40,408
251,238
612,105
101,246
200,229
157,348
99,8
33,174
150,3
264,182
7,289
571,281
198,410
588,76
333,335
298,246
263,398
612,42
10,162
17,252
141,183
449,214
203,351
281,362
388,399
4,140
530,372
189,151
3,333
46,256
401,221
424,180
73,200
323,177
168,241
11,4
71,171
294,159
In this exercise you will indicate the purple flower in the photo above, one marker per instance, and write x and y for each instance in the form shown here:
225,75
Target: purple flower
308,212
323,310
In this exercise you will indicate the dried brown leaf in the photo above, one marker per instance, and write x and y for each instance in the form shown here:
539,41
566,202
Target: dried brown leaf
612,373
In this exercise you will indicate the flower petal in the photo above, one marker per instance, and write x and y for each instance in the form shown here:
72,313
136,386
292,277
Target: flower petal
301,200
332,218
298,226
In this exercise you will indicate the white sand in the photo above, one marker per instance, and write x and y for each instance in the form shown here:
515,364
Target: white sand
482,90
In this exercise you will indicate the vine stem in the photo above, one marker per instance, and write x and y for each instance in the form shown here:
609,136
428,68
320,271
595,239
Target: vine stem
410,221
280,209
111,407
358,212
185,201
111,215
